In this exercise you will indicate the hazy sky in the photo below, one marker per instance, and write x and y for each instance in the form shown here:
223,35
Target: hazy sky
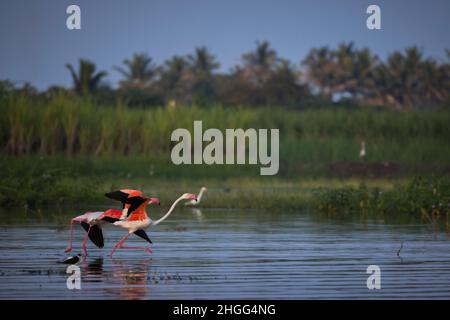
35,43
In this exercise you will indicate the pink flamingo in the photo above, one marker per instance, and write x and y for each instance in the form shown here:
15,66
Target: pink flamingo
92,221
139,220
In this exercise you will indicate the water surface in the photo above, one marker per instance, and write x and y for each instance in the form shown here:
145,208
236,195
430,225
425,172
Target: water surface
228,254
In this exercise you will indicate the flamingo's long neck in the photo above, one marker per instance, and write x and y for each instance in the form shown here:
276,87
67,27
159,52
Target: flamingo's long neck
200,195
154,223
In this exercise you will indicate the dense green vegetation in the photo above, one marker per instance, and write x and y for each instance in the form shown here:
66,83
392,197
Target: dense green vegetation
429,197
25,185
78,126
66,149
63,146
34,181
425,198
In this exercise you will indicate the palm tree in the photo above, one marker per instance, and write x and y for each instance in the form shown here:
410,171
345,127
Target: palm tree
400,81
202,61
86,80
346,70
260,63
428,83
263,57
283,87
139,71
321,69
354,69
199,78
173,72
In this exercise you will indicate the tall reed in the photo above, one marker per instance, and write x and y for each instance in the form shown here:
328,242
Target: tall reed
78,126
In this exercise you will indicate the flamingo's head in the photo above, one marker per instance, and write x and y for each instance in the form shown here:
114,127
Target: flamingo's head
204,189
189,196
154,200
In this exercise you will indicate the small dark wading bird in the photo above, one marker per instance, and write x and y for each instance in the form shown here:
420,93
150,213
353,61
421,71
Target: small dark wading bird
92,221
73,260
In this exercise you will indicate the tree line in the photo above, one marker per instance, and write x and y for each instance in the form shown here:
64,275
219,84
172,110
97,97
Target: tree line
404,80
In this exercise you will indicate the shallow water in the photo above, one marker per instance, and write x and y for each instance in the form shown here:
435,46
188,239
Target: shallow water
220,254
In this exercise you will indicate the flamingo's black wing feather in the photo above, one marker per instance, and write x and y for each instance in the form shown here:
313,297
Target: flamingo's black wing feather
141,233
85,226
117,195
109,219
95,234
121,196
134,203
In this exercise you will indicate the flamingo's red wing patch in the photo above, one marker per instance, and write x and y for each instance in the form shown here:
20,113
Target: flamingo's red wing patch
134,202
111,215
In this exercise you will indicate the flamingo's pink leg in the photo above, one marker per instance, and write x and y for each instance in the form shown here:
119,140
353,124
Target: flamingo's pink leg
69,247
85,241
119,244
147,249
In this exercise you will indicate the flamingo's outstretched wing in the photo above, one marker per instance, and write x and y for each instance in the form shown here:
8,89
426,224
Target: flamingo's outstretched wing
134,202
95,234
131,197
141,233
118,195
111,215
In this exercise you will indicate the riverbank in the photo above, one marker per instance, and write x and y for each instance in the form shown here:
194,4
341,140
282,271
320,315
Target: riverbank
31,182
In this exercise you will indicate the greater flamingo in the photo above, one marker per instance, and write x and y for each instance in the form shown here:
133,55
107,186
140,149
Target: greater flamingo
194,202
92,221
92,225
139,220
